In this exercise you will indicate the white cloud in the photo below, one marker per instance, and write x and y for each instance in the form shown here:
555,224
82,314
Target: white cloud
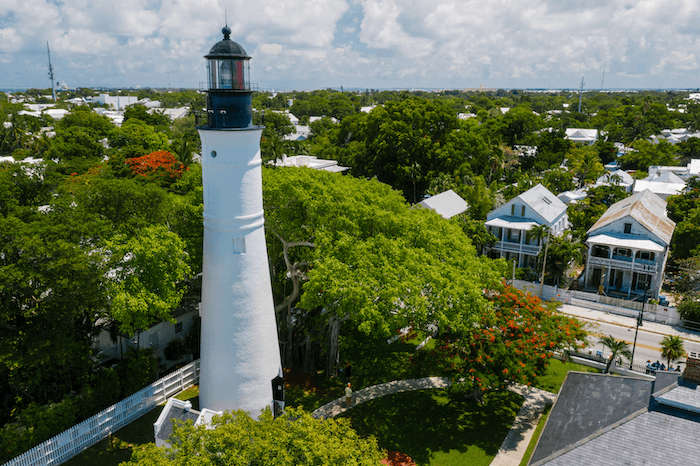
363,43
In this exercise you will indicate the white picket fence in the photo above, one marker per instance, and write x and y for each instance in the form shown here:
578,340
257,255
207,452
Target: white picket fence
69,443
652,312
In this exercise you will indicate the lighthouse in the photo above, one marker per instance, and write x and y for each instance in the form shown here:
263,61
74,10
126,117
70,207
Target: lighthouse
240,359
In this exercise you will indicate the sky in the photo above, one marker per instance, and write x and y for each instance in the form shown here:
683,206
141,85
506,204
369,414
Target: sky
365,44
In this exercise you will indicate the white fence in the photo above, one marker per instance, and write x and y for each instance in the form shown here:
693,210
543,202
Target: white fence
652,312
69,443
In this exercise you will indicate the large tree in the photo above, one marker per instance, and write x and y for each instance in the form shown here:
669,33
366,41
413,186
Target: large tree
404,145
349,250
511,341
235,439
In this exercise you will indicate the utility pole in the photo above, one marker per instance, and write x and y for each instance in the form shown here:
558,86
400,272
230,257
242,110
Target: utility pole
544,264
640,323
53,89
580,95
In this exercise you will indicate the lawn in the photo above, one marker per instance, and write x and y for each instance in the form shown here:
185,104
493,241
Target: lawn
119,446
556,372
438,427
431,426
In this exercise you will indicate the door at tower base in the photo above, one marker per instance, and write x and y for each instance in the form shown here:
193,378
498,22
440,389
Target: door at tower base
239,346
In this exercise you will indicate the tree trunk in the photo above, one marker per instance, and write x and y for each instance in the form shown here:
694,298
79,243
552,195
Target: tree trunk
476,395
333,353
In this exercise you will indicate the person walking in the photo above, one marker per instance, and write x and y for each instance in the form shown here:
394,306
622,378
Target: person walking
348,395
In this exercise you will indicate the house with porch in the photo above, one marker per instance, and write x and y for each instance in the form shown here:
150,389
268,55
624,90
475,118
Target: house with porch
511,224
628,247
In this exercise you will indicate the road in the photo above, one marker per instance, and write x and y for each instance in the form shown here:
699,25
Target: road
622,328
648,343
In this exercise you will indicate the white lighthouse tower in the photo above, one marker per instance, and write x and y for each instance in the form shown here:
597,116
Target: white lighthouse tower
239,350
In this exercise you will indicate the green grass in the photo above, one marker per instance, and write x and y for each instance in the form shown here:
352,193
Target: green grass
438,427
535,436
119,446
373,362
556,372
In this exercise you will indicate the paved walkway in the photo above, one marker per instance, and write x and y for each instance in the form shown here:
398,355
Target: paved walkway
518,438
337,407
513,446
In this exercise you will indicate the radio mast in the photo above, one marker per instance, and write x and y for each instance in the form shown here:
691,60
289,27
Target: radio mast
53,89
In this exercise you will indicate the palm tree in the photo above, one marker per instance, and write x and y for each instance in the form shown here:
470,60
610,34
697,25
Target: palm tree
617,348
672,348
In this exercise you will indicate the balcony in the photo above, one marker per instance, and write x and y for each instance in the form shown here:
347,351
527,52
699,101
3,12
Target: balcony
517,247
625,263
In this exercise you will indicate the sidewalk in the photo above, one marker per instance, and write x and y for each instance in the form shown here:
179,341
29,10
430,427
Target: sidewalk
629,322
518,438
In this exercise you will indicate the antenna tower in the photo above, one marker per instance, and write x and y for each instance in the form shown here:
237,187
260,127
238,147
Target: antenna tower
53,89
603,80
580,95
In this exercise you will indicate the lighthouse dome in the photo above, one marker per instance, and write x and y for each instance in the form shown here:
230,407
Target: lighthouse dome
227,48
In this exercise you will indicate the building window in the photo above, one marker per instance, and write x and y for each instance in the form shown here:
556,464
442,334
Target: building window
513,235
624,252
645,255
239,245
178,327
628,228
517,210
600,251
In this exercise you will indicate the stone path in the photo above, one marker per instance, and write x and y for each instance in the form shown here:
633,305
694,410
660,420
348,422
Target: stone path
514,445
337,407
518,438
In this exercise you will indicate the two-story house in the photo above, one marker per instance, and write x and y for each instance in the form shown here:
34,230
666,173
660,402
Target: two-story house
628,247
511,224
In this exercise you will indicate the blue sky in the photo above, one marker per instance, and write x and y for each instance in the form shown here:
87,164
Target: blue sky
311,44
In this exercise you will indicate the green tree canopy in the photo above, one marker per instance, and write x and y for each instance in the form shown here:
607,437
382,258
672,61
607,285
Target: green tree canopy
234,439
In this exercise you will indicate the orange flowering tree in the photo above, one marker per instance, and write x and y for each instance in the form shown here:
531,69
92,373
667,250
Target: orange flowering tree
160,166
511,343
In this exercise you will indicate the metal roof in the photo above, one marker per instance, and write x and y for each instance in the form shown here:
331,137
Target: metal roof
227,48
628,241
517,223
542,201
646,208
448,204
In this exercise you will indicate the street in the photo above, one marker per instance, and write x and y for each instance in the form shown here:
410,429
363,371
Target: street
623,328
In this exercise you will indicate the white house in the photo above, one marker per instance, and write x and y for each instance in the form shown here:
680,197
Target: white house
119,102
448,204
663,185
617,178
582,135
311,162
512,222
628,247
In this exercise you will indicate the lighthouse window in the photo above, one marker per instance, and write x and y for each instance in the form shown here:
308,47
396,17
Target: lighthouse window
213,153
226,74
239,245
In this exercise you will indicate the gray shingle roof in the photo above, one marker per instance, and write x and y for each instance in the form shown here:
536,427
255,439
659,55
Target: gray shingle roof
652,438
586,404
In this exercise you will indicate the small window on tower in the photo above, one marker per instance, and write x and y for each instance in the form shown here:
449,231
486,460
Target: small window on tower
239,245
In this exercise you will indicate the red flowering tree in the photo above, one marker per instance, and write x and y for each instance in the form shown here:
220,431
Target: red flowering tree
511,343
160,166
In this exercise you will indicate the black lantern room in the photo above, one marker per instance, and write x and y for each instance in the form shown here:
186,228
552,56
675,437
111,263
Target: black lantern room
229,97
